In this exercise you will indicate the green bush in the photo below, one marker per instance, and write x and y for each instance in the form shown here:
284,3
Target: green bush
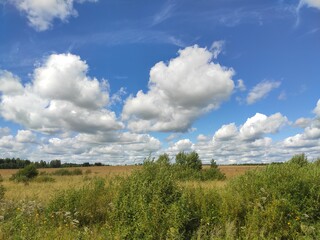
276,203
150,205
88,205
317,162
25,174
212,174
299,159
189,160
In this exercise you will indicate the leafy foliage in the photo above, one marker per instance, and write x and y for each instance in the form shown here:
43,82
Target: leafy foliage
280,201
25,174
299,159
189,160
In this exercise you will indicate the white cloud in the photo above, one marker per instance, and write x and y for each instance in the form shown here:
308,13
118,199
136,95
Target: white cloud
41,13
9,83
121,148
282,96
63,77
183,145
179,92
226,132
317,109
246,143
241,86
261,90
310,3
303,122
202,138
216,48
25,136
260,124
61,97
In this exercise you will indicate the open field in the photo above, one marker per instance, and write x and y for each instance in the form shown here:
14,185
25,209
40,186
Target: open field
44,191
159,201
229,170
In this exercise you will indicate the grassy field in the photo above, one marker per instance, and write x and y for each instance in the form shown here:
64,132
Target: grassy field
157,201
44,191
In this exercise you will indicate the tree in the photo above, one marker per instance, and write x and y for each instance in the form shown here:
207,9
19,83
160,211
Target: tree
190,160
213,164
181,158
163,159
55,163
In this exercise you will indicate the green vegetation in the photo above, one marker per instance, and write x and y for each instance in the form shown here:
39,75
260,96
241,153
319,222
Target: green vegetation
300,159
17,163
25,174
279,201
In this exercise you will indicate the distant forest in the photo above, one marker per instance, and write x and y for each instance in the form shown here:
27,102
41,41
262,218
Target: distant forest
15,163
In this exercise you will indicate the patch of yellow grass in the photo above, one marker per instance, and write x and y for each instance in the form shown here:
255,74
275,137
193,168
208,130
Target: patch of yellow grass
44,191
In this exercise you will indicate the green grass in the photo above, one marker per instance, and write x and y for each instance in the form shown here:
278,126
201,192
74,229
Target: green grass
275,202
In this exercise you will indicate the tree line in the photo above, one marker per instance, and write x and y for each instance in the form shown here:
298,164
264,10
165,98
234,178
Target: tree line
16,163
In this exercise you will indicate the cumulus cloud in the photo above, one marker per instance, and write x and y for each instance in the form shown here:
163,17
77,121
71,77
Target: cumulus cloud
226,132
261,90
183,145
260,124
41,13
63,77
202,138
25,136
310,137
120,148
60,97
303,122
9,83
179,92
317,109
310,3
254,128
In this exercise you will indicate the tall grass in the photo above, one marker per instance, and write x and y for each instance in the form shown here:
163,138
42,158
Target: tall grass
276,202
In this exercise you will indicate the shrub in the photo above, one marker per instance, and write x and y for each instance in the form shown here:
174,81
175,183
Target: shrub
317,162
299,159
89,205
275,203
25,174
212,174
150,205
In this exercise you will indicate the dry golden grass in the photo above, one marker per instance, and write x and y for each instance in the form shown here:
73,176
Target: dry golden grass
235,170
44,191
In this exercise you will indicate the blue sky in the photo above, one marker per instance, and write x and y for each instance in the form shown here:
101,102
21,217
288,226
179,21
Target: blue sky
117,80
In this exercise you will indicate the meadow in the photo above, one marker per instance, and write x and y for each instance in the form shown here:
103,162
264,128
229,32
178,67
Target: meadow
153,201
